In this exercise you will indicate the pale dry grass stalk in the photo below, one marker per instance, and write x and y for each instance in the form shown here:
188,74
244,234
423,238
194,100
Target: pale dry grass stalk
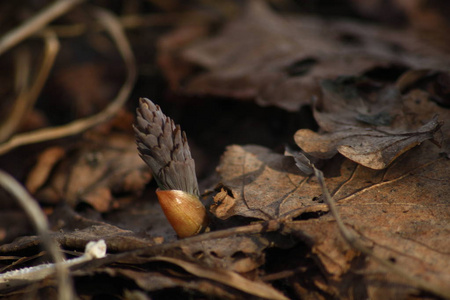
36,23
37,217
115,30
27,95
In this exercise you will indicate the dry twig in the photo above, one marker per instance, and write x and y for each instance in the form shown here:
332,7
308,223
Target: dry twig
114,29
28,95
36,23
137,21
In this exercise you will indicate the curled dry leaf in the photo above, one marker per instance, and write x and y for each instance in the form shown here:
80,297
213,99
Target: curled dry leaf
370,129
278,60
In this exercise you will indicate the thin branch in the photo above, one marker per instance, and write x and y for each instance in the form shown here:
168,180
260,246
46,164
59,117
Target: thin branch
257,228
40,222
114,29
355,242
36,23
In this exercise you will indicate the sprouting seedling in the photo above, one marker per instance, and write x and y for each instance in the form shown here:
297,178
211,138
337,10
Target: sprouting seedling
164,148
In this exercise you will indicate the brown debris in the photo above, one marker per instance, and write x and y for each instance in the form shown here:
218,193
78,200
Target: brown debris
280,61
96,172
370,105
372,130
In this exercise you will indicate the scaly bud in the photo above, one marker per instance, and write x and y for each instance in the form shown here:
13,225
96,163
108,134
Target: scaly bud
164,147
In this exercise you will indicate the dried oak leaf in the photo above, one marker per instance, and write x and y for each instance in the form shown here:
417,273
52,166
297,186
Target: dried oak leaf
278,60
372,129
263,185
402,212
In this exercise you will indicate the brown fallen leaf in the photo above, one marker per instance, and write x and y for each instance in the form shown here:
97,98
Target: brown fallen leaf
241,254
402,216
435,83
428,19
263,185
175,69
103,167
41,171
279,60
229,278
401,212
216,275
372,130
163,274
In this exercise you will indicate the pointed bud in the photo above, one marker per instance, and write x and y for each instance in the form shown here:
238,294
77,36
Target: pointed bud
164,147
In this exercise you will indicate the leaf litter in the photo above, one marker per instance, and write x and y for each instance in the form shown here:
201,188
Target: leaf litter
372,131
382,144
401,210
280,61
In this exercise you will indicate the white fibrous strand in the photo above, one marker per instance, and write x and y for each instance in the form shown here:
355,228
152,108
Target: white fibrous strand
93,250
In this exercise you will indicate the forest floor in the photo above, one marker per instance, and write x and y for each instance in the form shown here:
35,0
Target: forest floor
320,134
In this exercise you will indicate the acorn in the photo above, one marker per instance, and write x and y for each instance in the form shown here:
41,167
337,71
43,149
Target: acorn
164,148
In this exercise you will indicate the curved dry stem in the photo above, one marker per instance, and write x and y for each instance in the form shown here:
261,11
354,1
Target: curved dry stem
133,21
22,63
40,222
27,96
115,30
355,242
36,23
